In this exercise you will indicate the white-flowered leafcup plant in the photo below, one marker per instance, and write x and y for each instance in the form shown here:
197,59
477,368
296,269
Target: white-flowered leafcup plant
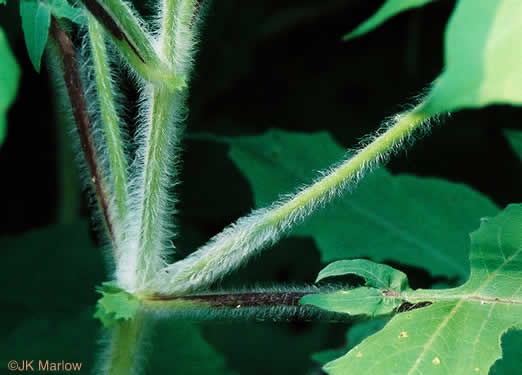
135,191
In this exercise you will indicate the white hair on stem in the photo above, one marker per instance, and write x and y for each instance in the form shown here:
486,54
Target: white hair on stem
276,303
263,227
105,111
154,170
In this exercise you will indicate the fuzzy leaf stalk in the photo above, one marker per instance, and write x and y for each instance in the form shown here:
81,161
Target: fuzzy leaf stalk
154,171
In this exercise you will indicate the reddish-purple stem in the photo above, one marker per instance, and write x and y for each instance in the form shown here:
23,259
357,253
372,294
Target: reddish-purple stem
73,84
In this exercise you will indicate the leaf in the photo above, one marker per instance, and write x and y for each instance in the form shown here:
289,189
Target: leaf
381,279
460,332
62,9
388,10
115,304
515,139
179,347
60,266
511,361
399,218
54,337
482,57
376,275
36,19
356,333
9,77
358,301
48,298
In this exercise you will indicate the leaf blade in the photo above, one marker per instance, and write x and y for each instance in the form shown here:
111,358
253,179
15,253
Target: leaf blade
36,20
461,330
9,77
376,275
388,10
358,301
485,32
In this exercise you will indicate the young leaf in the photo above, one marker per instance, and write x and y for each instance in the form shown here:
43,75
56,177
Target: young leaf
410,220
9,76
115,304
515,139
482,59
382,280
388,10
359,301
376,275
36,19
460,332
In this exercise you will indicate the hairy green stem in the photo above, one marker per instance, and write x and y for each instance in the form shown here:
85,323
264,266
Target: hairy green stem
232,247
156,172
109,117
123,352
165,122
133,42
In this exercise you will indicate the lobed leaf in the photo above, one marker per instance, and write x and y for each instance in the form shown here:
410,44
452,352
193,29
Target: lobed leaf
388,10
9,77
115,304
460,332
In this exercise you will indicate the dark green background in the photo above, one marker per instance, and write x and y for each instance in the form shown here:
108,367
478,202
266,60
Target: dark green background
262,64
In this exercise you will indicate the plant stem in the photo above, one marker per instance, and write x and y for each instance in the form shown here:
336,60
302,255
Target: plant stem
123,353
75,92
275,305
229,249
133,42
165,108
109,117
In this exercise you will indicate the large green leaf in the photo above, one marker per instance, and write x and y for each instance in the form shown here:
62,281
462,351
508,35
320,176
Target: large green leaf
48,296
36,19
460,332
389,9
9,76
482,57
179,348
401,218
